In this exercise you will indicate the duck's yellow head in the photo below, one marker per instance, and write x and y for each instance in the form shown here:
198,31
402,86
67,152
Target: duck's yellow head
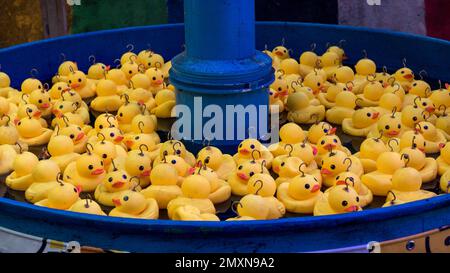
339,51
291,133
343,199
74,132
389,162
106,150
127,112
426,105
67,67
250,148
309,58
280,87
31,84
413,139
106,88
29,127
172,147
45,171
253,206
179,164
334,163
373,91
155,75
305,151
60,145
24,163
150,59
317,131
397,89
136,142
365,67
328,143
404,74
57,90
334,90
407,180
196,186
77,80
427,129
290,66
262,184
113,134
329,59
371,148
303,187
164,175
281,52
248,169
211,157
344,74
118,180
288,167
62,107
297,101
445,152
420,88
90,165
348,178
138,164
391,102
390,125
117,76
346,100
142,82
131,202
105,120
5,81
97,71
315,81
63,196
413,158
140,95
130,69
127,56
365,117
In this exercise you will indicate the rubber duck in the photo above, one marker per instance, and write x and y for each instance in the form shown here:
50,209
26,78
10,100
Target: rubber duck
411,139
31,131
281,52
361,123
372,92
330,63
175,147
434,138
141,95
81,84
276,104
126,113
370,150
220,189
164,188
406,187
196,190
389,102
105,120
10,136
74,97
20,179
130,68
297,87
156,77
444,182
129,54
365,67
328,99
222,164
354,181
107,98
329,143
388,127
404,76
253,149
31,84
340,199
239,179
113,185
345,74
290,133
97,71
42,100
426,166
136,141
45,176
287,168
316,81
301,111
150,59
395,88
133,204
87,171
441,97
250,207
264,185
139,164
344,108
76,134
182,167
419,88
290,66
318,130
7,109
61,149
64,70
88,206
339,50
337,162
300,194
61,197
443,160
165,104
57,89
412,115
379,181
75,113
5,85
307,153
191,213
308,61
109,151
145,124
119,78
111,134
383,77
7,155
443,123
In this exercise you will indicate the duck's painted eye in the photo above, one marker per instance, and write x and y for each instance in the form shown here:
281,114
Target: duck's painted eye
59,88
104,155
240,167
75,190
121,114
307,186
61,107
425,127
318,84
252,146
154,78
90,167
125,198
101,126
40,101
29,110
369,115
322,142
70,81
20,123
335,141
79,80
101,163
110,179
271,93
414,84
282,164
174,162
141,168
178,152
112,135
344,203
351,179
357,199
399,126
403,72
72,136
415,118
387,127
325,131
424,104
333,167
284,51
240,145
207,160
39,87
337,177
149,64
131,72
124,176
136,138
279,89
252,173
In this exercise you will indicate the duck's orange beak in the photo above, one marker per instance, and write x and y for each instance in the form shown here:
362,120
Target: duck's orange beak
351,209
393,133
97,172
441,145
45,105
279,53
37,114
430,109
74,85
340,182
118,184
276,169
191,170
80,136
158,82
315,188
375,115
16,120
129,143
409,76
79,189
243,176
332,131
118,139
56,112
315,151
107,68
116,202
325,172
244,151
145,173
329,147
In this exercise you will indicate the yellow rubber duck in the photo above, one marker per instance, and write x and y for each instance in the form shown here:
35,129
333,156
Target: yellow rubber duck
191,213
107,97
10,136
130,68
7,109
365,67
419,88
97,71
220,189
136,141
411,116
426,166
330,63
146,124
344,108
337,162
406,187
164,188
339,50
108,152
239,179
441,97
297,87
196,190
87,171
141,95
351,179
111,134
125,115
290,133
81,84
251,207
340,199
46,175
103,121
405,77
380,181
74,97
443,160
286,168
318,130
302,111
73,111
20,179
165,104
345,75
252,149
76,134
327,144
361,123
139,164
32,133
389,103
64,70
411,139
264,185
281,52
5,85
61,149
61,197
370,150
133,204
290,66
119,78
183,168
31,84
42,100
308,61
113,185
372,93
443,123
156,77
328,99
175,147
434,138
276,103
388,127
444,182
395,88
222,164
316,80
88,206
300,194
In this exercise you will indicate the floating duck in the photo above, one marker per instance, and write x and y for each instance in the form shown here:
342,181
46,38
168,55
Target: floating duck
156,77
327,144
345,75
81,84
404,76
5,85
64,70
265,186
441,97
61,149
379,181
10,136
119,78
444,182
222,164
109,151
434,138
239,179
133,204
42,100
308,61
361,123
141,95
318,130
328,99
87,171
372,92
281,52
337,162
139,164
76,134
275,101
370,150
126,113
415,158
113,185
388,127
97,71
73,111
301,111
340,199
220,189
146,124
7,109
191,213
165,101
136,141
406,184
443,160
131,67
88,206
62,197
300,194
20,179
290,133
290,66
330,63
107,97
196,190
298,87
316,81
252,149
344,108
31,84
351,179
286,168
164,186
43,180
411,116
32,133
251,207
419,88
183,168
338,49
175,147
443,123
365,67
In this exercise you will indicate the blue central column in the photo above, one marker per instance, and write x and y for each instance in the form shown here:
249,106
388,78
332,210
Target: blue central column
220,69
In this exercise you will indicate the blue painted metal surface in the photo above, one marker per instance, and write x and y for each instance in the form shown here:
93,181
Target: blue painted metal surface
291,234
